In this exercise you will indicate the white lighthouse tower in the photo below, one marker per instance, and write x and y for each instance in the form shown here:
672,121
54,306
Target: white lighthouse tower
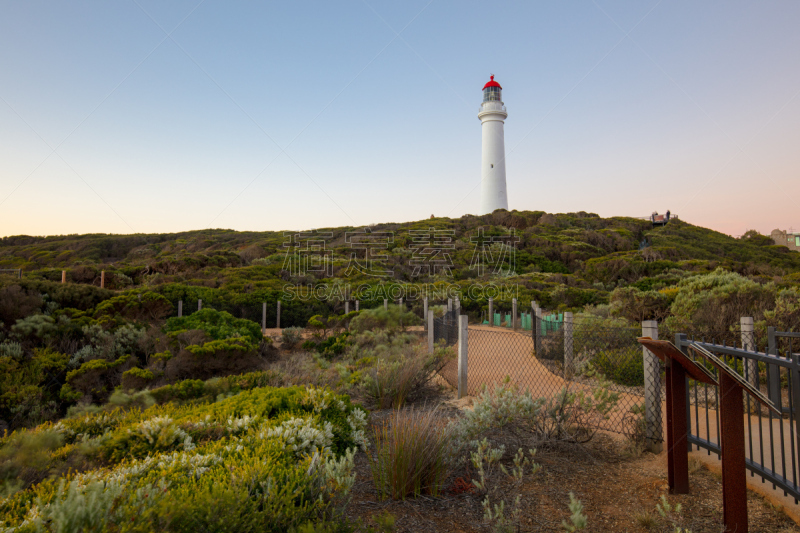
493,152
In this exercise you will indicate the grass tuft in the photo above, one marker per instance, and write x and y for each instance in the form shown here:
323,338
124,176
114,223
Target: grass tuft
411,454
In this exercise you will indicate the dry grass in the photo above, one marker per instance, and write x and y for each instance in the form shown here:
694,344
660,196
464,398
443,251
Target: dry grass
411,454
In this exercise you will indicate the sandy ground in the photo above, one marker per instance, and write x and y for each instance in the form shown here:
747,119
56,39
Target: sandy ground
496,353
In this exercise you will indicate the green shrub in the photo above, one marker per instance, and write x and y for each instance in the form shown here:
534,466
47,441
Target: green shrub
29,387
267,427
191,389
507,412
16,303
333,345
309,345
139,306
411,454
291,337
393,319
136,378
95,379
26,456
218,325
400,370
710,305
625,367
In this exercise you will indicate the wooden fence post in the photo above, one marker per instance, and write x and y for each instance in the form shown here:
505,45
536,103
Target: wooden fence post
425,309
463,349
356,305
491,312
385,304
102,279
63,276
514,313
180,308
278,322
264,318
347,307
199,304
654,428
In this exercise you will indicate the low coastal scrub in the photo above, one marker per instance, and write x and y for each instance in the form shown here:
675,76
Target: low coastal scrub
267,459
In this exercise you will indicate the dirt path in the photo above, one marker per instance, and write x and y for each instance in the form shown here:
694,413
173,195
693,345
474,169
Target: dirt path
497,353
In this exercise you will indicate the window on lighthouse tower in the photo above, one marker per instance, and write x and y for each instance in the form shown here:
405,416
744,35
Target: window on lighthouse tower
492,94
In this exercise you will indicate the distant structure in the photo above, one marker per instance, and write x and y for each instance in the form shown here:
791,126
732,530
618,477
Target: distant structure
493,152
790,239
660,220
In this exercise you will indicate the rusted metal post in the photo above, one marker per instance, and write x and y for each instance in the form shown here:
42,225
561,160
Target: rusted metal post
677,427
734,474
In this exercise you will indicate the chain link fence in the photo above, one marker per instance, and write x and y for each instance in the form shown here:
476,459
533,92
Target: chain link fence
582,356
445,328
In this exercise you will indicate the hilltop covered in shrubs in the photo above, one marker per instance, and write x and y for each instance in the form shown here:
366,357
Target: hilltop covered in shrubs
107,397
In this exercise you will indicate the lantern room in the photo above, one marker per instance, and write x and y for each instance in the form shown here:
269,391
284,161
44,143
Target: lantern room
492,92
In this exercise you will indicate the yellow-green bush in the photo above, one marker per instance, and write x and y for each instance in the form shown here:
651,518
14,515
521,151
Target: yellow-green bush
268,459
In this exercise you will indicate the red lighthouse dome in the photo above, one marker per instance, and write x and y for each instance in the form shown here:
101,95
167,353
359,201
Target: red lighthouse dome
491,83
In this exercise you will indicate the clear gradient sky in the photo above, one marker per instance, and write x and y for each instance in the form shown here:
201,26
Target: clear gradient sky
148,116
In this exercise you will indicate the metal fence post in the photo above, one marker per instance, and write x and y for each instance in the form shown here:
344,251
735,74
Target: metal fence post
347,307
569,356
180,308
356,305
430,332
463,345
654,431
773,371
425,310
449,304
457,305
514,313
385,304
537,325
491,312
401,302
749,344
264,318
199,304
278,321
